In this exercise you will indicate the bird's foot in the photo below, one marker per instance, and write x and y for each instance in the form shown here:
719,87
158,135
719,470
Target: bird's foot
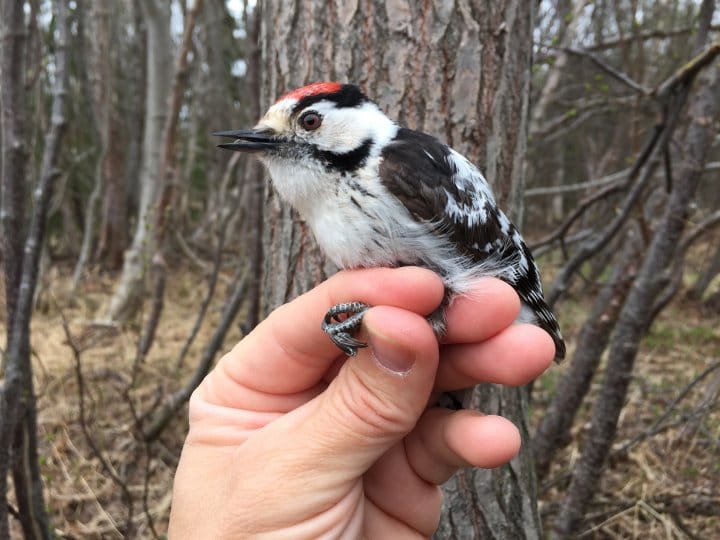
451,400
341,321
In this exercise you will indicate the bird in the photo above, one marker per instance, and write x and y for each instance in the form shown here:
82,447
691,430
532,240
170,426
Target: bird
375,193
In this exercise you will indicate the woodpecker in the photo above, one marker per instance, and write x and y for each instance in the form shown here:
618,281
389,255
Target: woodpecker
375,193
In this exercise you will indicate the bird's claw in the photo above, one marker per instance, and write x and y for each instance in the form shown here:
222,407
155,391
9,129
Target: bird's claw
340,328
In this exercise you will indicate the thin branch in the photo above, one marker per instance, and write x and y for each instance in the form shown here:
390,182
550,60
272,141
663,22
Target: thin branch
146,491
539,249
104,463
656,426
615,177
648,156
687,73
558,128
607,68
644,36
159,270
678,269
189,253
212,283
173,403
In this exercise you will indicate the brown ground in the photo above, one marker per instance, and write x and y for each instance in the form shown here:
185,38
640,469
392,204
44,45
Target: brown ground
666,486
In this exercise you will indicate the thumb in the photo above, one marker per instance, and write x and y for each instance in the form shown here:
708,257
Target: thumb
378,396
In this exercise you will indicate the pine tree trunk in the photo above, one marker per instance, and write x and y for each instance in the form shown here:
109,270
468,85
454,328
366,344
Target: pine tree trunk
459,71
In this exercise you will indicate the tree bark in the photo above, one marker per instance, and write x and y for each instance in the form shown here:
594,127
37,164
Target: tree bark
131,287
14,151
14,111
98,77
459,71
18,414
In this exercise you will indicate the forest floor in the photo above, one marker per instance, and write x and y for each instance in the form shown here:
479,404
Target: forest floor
667,485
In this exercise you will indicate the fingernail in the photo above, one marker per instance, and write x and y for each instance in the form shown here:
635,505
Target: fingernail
389,355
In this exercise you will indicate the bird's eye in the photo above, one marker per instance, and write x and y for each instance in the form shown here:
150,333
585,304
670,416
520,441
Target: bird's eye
310,121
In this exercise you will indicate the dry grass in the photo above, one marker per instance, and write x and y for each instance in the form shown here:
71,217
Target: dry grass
83,499
663,487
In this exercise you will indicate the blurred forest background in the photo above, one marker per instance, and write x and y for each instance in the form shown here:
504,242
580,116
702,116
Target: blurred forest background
134,252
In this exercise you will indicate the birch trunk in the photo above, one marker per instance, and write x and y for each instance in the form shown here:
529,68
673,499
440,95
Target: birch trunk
132,285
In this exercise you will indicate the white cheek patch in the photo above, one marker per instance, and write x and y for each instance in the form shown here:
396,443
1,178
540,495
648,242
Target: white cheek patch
345,129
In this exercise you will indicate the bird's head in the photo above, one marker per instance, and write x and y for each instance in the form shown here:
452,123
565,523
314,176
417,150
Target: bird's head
322,129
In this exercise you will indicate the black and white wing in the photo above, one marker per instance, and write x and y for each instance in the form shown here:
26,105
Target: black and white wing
440,187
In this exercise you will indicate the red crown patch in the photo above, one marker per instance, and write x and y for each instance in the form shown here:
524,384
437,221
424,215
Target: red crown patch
312,90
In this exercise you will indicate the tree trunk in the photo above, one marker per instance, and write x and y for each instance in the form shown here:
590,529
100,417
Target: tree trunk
97,78
130,290
553,433
18,413
14,151
459,71
13,106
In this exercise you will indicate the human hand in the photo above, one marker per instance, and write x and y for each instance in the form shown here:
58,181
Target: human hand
290,439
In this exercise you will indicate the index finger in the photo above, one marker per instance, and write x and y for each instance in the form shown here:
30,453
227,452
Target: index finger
288,353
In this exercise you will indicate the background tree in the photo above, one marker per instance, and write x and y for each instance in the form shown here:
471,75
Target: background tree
18,413
130,289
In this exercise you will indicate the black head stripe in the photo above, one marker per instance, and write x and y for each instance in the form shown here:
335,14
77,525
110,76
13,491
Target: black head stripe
348,96
346,162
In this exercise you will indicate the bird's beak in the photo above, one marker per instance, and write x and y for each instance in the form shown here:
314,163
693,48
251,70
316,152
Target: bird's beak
249,140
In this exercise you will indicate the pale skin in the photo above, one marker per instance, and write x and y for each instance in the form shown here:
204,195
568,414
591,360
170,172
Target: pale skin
288,439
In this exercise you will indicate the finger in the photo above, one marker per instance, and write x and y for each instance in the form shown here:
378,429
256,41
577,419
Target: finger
287,354
377,397
374,401
445,441
378,524
394,487
515,356
490,307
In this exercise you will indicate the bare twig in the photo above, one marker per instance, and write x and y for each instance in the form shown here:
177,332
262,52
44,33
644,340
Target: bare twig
607,68
616,177
541,248
212,283
159,271
191,255
167,159
677,270
687,73
644,169
644,36
657,425
173,403
97,452
559,128
146,490
553,431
